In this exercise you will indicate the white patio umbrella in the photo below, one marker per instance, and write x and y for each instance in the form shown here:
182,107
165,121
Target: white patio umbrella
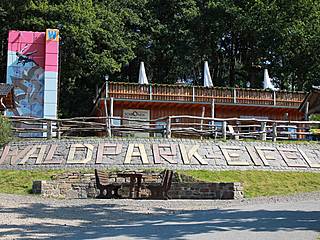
142,74
267,81
207,81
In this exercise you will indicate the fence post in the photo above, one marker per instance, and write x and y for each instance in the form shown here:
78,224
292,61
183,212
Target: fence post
58,130
224,130
201,121
193,94
150,91
49,129
108,127
234,95
274,132
107,89
263,136
169,128
212,116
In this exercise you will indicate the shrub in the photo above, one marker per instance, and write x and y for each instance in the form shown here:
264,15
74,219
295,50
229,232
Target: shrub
5,130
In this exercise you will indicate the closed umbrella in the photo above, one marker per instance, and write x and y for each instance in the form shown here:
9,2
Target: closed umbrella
142,74
267,81
207,81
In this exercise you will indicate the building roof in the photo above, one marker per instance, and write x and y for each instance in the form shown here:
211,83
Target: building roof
5,89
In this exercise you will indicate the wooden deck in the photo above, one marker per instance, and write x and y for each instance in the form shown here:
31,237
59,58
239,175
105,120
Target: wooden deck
181,93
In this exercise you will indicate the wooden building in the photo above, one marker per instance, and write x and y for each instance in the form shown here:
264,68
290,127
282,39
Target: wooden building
6,96
153,101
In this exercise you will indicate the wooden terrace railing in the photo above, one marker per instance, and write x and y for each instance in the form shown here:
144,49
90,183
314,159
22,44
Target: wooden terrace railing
162,92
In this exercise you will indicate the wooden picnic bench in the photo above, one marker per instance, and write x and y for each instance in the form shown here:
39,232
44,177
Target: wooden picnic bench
107,189
160,190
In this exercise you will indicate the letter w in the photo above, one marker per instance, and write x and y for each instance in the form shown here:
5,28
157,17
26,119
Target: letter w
52,34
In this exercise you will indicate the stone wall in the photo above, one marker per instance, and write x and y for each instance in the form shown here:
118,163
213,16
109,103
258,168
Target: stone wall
82,185
147,153
191,190
67,185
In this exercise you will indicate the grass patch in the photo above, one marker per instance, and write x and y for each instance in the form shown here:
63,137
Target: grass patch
20,181
263,183
256,183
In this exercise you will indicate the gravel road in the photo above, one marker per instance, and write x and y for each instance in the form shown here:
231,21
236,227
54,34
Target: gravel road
32,217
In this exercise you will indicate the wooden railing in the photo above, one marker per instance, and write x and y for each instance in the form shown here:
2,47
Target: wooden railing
162,92
172,126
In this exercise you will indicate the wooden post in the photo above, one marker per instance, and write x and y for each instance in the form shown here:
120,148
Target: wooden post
306,113
201,122
150,91
274,132
107,89
263,136
111,106
58,130
111,116
212,109
107,121
234,95
49,129
224,130
193,95
274,98
212,115
168,133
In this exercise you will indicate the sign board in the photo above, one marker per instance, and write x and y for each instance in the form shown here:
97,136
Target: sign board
137,114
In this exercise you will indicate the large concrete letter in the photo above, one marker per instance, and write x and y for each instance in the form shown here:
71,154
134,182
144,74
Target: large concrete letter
15,155
292,157
141,153
50,155
74,147
314,154
233,155
33,154
107,149
166,151
187,156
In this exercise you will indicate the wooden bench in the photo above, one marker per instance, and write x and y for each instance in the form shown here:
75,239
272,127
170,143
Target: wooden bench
107,189
160,190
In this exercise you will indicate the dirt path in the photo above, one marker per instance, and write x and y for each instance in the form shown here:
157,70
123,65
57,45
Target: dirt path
29,217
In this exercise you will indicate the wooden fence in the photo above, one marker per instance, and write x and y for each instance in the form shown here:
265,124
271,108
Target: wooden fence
163,92
172,126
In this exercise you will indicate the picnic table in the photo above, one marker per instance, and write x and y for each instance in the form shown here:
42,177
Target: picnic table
110,184
135,183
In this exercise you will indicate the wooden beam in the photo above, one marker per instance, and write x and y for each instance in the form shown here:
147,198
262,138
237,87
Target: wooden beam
306,114
212,109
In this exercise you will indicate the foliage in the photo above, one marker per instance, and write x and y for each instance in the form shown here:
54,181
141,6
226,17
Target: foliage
263,183
173,38
5,130
315,117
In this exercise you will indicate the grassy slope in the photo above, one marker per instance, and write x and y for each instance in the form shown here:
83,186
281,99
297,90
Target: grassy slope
20,182
256,183
264,183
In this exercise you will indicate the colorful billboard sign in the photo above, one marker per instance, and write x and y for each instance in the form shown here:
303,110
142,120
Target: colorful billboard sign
32,68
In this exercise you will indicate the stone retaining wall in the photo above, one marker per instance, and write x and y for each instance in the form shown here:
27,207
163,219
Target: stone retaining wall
150,153
232,190
83,185
67,185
